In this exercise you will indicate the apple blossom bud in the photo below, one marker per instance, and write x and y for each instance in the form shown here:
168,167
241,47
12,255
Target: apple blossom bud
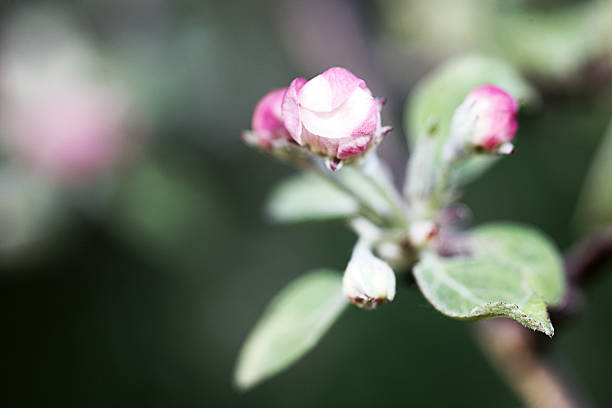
71,133
486,120
267,124
334,114
421,232
368,281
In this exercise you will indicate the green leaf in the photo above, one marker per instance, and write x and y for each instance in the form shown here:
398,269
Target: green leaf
595,205
309,197
565,39
292,324
436,97
512,271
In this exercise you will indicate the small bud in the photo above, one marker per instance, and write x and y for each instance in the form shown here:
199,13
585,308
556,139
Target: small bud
267,125
368,281
421,232
485,121
334,114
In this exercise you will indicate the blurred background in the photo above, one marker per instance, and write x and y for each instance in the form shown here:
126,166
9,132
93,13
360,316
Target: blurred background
135,255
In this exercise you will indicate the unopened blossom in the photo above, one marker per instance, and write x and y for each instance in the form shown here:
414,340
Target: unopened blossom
69,133
486,120
368,281
334,114
267,126
421,232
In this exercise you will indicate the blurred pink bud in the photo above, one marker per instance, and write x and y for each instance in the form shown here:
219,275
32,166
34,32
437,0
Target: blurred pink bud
71,134
487,119
334,114
267,125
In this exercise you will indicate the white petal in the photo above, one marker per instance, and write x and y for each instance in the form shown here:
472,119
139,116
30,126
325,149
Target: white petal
340,122
316,95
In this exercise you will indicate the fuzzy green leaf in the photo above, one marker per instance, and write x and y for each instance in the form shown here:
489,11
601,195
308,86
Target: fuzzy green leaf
436,97
292,324
512,271
309,197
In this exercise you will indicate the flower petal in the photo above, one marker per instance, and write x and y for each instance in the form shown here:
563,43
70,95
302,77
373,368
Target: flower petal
344,120
267,113
290,110
330,89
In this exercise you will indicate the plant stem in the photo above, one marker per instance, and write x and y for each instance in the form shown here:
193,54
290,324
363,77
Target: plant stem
444,180
365,208
513,350
582,264
387,191
510,348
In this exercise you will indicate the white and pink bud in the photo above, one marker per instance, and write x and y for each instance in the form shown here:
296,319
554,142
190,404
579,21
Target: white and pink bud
368,281
485,121
334,114
421,232
267,126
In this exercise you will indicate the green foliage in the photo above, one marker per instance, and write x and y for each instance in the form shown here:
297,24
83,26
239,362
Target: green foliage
437,95
306,197
565,38
511,271
292,324
310,197
595,206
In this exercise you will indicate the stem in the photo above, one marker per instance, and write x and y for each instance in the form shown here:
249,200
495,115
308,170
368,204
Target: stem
582,264
510,348
445,179
364,208
387,191
513,350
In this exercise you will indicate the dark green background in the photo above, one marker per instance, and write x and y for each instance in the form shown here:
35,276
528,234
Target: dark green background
121,311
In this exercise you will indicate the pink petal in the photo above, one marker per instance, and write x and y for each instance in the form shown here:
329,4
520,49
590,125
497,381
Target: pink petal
267,113
329,90
496,110
342,121
353,147
370,124
290,110
342,83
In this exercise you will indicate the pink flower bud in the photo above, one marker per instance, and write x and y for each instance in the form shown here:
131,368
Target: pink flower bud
267,124
486,119
71,134
334,114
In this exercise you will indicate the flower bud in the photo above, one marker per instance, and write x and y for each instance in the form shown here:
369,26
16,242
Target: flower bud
267,124
486,120
368,281
334,114
73,133
421,232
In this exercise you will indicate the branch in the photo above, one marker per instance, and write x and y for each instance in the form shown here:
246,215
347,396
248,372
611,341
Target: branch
514,350
582,264
510,347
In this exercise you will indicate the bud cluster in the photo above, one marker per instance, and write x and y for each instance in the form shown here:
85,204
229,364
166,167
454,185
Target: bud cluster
333,115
